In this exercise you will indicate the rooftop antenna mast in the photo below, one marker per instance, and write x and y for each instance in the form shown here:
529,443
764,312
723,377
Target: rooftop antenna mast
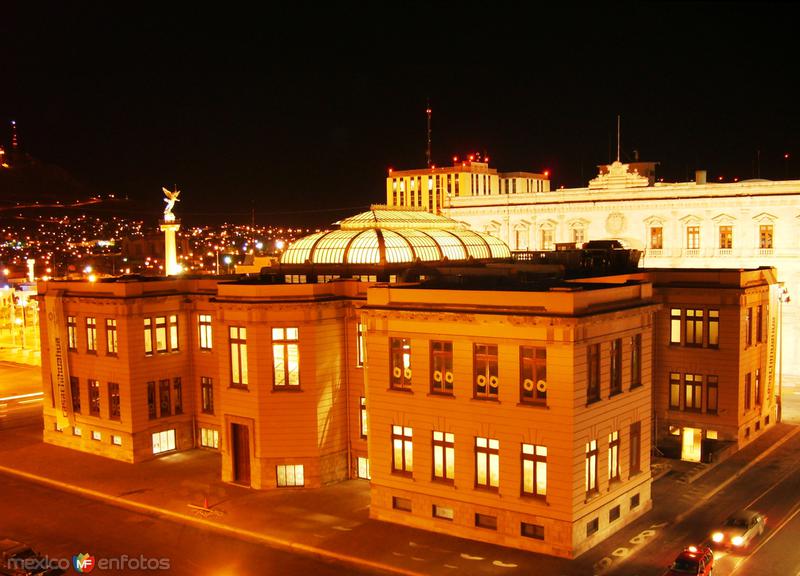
617,137
428,152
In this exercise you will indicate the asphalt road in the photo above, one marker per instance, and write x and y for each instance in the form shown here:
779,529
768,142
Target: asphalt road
20,395
59,525
772,487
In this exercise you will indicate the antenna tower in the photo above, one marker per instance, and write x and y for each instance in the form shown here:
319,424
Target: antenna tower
428,151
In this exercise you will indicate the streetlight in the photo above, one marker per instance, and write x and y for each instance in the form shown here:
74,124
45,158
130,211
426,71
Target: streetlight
227,261
783,296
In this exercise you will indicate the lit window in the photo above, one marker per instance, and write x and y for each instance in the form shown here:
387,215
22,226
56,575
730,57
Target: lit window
547,239
613,456
400,356
359,344
726,237
111,336
693,391
693,237
402,450
91,335
533,375
441,367
534,470
591,467
76,431
443,512
148,337
286,356
238,347
161,334
363,419
204,324
674,391
487,381
656,237
757,380
72,333
173,333
675,326
96,435
713,328
363,468
443,456
209,438
694,327
163,441
765,236
487,463
116,440
290,475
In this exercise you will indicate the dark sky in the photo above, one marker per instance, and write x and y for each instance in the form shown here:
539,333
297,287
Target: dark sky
298,110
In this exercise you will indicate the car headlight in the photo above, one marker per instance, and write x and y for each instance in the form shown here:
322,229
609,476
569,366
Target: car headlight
737,540
717,537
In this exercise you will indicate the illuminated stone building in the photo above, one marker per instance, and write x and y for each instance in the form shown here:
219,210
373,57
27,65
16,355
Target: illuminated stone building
496,400
695,224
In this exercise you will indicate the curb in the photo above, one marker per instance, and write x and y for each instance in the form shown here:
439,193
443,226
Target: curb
241,533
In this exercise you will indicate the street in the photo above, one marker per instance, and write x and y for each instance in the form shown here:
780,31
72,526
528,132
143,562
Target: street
20,395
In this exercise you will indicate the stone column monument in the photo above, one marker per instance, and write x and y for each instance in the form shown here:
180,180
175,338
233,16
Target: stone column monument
170,226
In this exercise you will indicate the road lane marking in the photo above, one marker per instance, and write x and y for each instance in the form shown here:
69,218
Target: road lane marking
18,396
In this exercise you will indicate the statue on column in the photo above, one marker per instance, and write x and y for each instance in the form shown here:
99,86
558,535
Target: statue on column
171,198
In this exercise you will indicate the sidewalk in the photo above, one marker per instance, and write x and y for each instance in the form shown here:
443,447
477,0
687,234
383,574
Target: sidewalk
333,522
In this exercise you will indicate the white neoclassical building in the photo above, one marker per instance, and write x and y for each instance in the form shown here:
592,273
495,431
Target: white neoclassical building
695,224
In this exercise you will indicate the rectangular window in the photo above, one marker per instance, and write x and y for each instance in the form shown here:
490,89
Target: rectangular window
286,357
592,527
533,375
111,336
403,504
402,450
209,438
613,455
290,475
636,361
675,326
238,347
694,327
487,463
178,389
207,394
359,344
444,452
674,391
713,328
712,394
692,392
656,237
591,467
726,237
748,327
616,366
363,418
765,236
363,468
613,514
487,383
748,391
593,373
634,501
534,470
173,333
161,334
165,405
442,512
72,333
547,239
91,335
151,400
113,401
486,521
163,441
693,237
116,440
76,431
534,531
75,391
636,449
148,337
759,323
204,324
94,398
96,435
441,367
400,357
757,391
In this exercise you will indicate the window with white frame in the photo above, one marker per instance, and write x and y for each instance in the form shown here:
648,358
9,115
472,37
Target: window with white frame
163,441
204,324
209,438
290,475
286,357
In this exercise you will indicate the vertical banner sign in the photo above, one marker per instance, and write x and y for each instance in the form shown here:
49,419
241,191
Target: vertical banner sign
59,367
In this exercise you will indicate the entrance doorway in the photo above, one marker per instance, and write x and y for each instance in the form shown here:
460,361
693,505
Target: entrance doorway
692,444
240,447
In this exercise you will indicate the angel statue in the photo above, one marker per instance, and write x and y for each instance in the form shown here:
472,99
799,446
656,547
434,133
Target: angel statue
171,198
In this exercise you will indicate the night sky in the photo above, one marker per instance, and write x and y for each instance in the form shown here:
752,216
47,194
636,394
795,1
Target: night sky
297,112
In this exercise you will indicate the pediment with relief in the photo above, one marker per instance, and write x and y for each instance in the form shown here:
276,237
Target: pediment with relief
619,176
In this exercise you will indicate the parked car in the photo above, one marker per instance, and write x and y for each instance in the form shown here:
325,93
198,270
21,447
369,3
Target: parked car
694,560
740,529
18,559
